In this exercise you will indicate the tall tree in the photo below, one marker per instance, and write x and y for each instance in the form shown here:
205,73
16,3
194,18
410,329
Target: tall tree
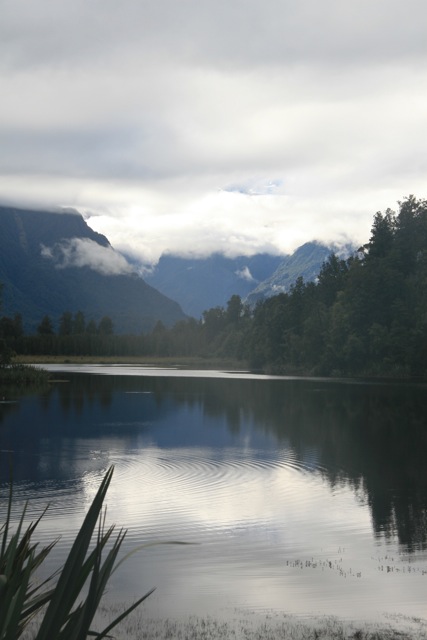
45,327
66,324
105,327
331,278
234,310
79,323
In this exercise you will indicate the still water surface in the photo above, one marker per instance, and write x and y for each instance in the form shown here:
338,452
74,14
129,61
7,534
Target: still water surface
304,496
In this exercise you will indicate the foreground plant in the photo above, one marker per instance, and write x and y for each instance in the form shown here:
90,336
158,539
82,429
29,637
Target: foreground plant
66,615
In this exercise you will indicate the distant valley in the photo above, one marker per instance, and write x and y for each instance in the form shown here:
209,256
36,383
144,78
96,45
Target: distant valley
202,283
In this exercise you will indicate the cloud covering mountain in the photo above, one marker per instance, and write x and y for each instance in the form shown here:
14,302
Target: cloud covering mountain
84,252
51,263
194,127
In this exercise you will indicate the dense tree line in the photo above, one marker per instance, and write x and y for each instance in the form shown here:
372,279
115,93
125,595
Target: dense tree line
364,315
74,335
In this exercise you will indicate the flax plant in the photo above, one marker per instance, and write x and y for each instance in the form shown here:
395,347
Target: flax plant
66,614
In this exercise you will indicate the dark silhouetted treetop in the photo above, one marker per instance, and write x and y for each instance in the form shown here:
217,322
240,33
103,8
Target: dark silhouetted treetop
45,327
105,327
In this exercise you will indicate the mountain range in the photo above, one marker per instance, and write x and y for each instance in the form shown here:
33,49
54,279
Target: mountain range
54,262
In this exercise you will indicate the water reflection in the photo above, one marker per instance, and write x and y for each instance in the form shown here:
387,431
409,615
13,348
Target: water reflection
372,437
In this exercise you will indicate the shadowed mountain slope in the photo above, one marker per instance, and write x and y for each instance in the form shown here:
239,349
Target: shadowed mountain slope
54,262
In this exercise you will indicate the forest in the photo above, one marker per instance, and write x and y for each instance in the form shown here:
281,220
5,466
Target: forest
363,316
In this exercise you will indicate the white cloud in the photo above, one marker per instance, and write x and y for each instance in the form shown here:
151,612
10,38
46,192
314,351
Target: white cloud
83,252
245,274
201,126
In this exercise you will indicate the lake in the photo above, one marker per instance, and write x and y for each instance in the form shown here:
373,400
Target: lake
301,496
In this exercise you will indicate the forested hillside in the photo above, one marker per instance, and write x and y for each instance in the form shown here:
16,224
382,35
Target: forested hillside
365,315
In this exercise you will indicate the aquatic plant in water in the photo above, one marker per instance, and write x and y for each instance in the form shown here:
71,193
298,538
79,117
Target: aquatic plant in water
65,613
22,375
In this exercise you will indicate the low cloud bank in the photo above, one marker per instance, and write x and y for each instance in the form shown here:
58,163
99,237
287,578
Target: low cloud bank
83,252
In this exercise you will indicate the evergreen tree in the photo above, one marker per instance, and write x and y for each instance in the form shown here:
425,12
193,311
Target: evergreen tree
91,327
45,327
79,323
105,327
66,324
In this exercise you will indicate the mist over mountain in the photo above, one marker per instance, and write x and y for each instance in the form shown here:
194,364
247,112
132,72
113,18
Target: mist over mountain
54,262
199,284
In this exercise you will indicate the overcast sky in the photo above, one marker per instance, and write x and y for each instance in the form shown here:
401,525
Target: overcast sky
202,125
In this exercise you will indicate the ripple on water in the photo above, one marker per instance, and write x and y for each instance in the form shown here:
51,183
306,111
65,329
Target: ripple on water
156,489
165,489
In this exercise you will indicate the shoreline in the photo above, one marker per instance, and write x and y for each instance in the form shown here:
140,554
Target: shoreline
193,362
199,363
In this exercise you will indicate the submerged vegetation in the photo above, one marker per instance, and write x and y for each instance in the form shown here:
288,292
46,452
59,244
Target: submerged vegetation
364,315
248,625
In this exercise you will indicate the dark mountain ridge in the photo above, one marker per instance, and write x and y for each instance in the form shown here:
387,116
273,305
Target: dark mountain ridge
54,262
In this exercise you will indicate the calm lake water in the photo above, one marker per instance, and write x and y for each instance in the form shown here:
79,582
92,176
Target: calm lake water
304,496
